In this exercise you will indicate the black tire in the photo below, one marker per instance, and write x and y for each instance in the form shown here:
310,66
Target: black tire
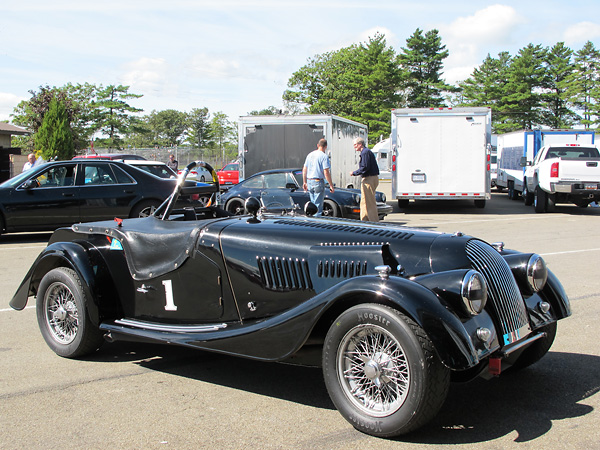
512,193
538,349
479,203
540,200
330,209
1,224
579,203
528,197
144,208
368,352
235,206
62,315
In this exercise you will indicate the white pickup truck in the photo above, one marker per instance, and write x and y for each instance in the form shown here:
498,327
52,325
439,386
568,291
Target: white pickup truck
562,173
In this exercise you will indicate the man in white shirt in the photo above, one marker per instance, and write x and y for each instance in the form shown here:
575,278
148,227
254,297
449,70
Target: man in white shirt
317,169
30,162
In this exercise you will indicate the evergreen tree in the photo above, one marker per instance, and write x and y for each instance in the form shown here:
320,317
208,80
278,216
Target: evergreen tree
54,138
422,62
556,112
199,127
523,96
168,127
584,84
486,87
113,113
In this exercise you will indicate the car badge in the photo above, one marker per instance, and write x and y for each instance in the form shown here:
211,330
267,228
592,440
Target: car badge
116,245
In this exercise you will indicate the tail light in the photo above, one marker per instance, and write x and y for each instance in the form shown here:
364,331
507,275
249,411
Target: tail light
554,170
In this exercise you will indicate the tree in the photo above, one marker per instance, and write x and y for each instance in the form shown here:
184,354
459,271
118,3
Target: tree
223,133
270,111
523,92
54,138
422,62
113,113
556,112
199,127
359,82
486,87
168,126
584,84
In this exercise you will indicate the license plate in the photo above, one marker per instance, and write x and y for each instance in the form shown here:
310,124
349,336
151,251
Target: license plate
590,186
418,177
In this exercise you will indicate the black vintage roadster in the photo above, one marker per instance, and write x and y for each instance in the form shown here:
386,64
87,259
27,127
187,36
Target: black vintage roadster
391,314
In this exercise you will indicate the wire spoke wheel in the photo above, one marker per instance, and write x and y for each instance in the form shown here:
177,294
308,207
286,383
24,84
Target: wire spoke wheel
61,312
373,370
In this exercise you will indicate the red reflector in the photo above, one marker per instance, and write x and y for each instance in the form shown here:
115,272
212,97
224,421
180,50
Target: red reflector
393,158
394,168
554,170
495,366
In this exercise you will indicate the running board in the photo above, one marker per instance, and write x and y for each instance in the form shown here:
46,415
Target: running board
152,326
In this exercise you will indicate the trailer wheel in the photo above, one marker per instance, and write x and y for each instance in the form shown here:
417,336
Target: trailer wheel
403,203
480,203
512,193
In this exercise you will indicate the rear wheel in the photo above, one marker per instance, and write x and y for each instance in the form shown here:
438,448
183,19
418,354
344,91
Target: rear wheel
480,203
62,315
403,203
144,209
330,209
528,197
382,372
540,200
512,193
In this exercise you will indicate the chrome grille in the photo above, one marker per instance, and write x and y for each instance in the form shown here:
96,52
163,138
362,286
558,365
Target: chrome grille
503,291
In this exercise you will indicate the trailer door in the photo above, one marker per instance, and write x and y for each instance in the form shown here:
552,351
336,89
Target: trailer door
279,146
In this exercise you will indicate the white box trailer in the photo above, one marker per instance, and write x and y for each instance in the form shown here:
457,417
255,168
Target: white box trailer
277,142
441,154
514,146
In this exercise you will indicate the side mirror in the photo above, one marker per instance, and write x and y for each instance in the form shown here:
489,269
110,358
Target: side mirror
523,162
30,184
252,205
291,186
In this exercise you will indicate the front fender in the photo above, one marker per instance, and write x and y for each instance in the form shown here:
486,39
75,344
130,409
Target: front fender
62,254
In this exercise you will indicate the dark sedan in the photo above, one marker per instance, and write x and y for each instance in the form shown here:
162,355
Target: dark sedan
61,193
340,203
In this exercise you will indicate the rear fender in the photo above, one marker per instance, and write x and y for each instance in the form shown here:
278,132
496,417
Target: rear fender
86,261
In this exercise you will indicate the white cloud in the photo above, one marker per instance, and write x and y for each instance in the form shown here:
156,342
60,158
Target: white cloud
203,65
7,104
468,39
581,32
149,75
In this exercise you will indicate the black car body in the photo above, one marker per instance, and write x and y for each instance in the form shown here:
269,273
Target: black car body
61,193
391,313
340,203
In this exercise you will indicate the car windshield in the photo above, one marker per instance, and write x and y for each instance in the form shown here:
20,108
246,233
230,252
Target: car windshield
160,170
572,152
276,199
20,178
231,167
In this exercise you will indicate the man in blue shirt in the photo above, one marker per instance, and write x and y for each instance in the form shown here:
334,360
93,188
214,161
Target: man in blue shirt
317,169
369,171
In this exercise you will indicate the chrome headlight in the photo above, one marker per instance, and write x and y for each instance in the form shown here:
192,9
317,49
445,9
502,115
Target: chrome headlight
356,198
383,199
473,292
537,273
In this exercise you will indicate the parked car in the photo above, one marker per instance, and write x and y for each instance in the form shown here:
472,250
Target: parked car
198,174
392,314
61,193
157,168
340,203
113,156
229,175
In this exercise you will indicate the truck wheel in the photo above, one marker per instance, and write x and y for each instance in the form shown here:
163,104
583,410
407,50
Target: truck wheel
580,203
538,349
512,194
62,315
480,203
527,196
382,372
540,200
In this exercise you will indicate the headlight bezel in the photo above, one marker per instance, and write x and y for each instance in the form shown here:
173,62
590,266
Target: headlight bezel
537,272
473,293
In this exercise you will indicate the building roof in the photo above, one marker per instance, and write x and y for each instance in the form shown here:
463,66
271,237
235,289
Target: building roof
8,128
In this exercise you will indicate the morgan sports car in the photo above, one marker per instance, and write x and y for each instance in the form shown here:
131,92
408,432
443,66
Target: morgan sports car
391,314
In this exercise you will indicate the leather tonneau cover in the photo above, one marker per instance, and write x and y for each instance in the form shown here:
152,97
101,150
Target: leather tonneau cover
152,246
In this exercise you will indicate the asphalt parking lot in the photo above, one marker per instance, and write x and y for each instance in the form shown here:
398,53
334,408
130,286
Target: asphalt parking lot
134,396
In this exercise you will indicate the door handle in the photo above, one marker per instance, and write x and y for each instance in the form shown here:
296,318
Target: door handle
65,194
127,191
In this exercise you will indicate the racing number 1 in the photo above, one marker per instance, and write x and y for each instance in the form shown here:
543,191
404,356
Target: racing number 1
170,306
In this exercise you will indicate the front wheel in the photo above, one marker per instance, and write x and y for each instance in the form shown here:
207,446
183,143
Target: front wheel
381,371
330,209
235,207
144,209
62,315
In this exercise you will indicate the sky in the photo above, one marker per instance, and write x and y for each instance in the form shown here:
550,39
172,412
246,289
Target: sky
236,56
